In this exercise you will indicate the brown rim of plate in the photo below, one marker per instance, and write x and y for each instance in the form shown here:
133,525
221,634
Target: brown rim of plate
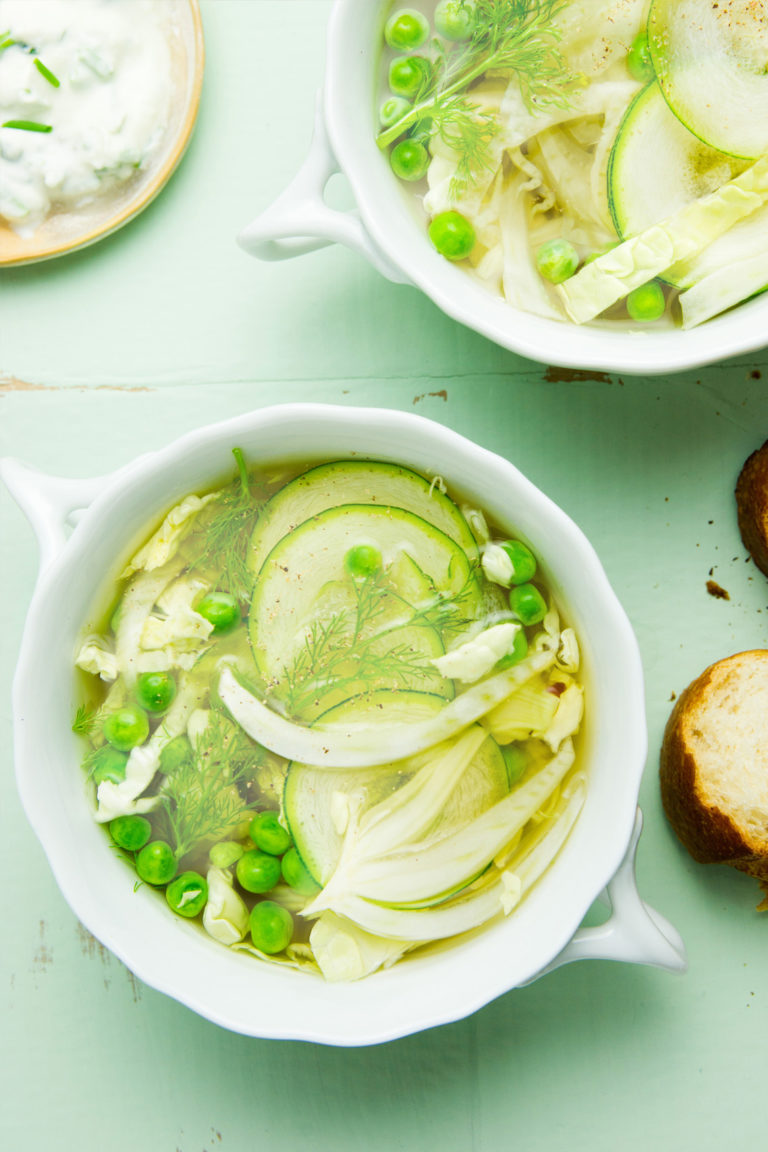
16,250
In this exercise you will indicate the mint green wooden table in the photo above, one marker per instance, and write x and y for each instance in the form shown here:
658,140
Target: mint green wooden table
166,325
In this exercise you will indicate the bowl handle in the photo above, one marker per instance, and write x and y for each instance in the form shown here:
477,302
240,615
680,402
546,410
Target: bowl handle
300,221
633,932
50,503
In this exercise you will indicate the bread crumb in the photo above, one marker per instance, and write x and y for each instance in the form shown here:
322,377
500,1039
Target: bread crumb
717,591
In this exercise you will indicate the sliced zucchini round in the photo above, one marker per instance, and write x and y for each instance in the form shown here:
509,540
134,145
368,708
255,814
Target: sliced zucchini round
710,60
304,601
355,482
314,797
657,167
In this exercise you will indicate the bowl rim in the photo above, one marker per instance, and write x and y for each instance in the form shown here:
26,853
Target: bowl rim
346,1015
349,90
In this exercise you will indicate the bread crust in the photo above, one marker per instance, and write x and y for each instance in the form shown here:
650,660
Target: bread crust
711,834
752,506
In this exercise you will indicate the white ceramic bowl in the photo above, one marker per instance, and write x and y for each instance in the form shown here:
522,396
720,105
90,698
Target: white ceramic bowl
233,989
387,231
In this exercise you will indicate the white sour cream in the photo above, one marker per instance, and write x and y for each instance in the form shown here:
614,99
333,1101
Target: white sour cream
107,116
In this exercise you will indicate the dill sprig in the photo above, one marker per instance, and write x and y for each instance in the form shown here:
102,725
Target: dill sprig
517,37
202,798
346,649
451,613
85,720
226,529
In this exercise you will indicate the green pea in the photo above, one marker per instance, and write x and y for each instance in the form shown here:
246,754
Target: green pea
393,110
130,832
408,75
156,863
515,761
225,854
155,690
271,927
221,610
175,753
187,894
362,560
258,871
455,19
527,603
409,160
406,29
639,61
268,834
296,875
647,302
518,653
522,560
557,260
452,234
108,764
126,727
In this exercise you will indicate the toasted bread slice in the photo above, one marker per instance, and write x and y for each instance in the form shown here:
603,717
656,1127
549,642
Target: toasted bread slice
714,765
752,506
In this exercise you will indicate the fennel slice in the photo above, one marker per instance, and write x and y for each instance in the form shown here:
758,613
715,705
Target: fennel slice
429,870
476,906
346,746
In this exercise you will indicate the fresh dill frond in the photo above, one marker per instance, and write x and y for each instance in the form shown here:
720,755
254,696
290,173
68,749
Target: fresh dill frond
350,648
356,650
226,527
469,131
451,613
510,37
202,799
85,720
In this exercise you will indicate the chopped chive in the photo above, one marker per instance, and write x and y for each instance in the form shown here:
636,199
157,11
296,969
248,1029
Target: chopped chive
46,72
6,41
27,125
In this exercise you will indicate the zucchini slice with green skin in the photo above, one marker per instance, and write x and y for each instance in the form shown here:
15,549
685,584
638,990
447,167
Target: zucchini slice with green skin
657,167
710,60
355,482
304,601
312,795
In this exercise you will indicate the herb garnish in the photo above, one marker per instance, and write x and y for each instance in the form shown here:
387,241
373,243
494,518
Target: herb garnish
27,125
226,529
347,649
513,36
46,73
202,798
84,721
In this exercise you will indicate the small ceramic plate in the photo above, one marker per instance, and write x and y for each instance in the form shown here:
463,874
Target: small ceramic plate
75,228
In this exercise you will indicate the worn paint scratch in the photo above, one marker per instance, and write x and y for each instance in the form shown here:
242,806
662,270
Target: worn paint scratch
44,954
441,395
135,986
93,948
90,945
555,375
10,384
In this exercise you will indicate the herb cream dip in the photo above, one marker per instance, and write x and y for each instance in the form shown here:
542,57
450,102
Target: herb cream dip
85,100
